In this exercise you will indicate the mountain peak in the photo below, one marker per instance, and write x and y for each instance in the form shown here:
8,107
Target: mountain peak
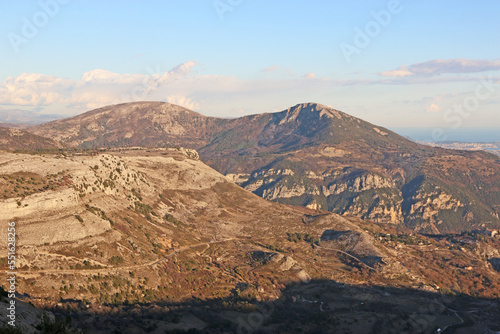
309,111
312,108
141,108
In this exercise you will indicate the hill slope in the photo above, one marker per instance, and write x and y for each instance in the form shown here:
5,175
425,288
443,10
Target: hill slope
314,156
16,139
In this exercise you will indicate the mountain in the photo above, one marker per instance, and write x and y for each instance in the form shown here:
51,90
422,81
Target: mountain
314,156
142,240
23,118
144,124
16,139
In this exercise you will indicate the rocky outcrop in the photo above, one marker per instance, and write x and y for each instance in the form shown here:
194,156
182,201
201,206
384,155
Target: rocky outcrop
358,184
285,191
96,188
369,195
428,205
27,317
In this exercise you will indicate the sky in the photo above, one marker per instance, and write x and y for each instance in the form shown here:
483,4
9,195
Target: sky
428,64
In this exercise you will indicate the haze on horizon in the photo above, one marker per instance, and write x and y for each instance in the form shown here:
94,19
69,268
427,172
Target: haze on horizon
393,63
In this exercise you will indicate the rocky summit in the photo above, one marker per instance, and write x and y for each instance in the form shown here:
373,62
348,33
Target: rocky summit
311,155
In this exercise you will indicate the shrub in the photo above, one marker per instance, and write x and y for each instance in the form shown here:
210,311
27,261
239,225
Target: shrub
57,326
115,260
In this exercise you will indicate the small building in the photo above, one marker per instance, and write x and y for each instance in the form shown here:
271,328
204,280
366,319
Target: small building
491,232
488,231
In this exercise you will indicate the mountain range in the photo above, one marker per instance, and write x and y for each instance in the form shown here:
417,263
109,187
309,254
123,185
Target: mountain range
314,156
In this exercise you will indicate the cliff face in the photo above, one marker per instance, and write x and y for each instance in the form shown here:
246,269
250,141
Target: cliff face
312,155
367,195
67,199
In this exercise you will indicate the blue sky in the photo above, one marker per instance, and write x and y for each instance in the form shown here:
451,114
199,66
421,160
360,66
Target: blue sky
421,64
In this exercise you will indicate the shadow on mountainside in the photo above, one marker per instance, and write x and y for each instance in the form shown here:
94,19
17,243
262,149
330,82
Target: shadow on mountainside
317,306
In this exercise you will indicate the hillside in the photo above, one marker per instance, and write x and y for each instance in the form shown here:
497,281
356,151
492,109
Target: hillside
153,239
314,156
16,139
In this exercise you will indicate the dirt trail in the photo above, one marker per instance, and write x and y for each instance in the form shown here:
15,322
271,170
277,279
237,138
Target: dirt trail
153,263
115,269
345,253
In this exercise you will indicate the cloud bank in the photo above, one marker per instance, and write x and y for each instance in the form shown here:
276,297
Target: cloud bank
96,88
443,66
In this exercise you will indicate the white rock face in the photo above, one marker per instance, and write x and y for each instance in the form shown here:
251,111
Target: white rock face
314,206
238,178
380,132
49,216
288,263
273,172
359,184
27,316
96,190
271,186
284,191
34,205
333,152
428,205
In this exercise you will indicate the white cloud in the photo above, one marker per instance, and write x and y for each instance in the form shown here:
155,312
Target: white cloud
183,101
32,89
279,70
402,71
310,75
95,88
177,72
107,77
271,68
433,107
442,66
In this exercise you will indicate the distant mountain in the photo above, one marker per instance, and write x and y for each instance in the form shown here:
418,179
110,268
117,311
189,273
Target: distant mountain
16,139
314,156
25,117
132,124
